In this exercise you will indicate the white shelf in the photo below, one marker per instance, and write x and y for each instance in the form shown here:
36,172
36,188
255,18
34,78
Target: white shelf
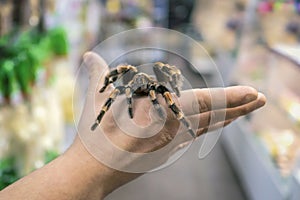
258,175
291,52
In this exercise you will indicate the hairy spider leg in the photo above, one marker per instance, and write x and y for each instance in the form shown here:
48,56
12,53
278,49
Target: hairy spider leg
175,85
176,110
175,78
113,95
166,73
114,74
152,96
161,76
128,93
110,78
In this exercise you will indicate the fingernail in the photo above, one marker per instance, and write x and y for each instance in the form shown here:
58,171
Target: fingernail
262,100
87,58
248,98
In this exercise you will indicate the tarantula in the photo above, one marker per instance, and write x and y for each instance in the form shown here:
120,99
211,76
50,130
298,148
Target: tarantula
135,82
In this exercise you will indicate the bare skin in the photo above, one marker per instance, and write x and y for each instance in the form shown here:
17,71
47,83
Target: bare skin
76,174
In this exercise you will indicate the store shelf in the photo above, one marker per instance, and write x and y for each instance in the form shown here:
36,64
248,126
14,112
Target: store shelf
265,148
288,51
295,186
259,176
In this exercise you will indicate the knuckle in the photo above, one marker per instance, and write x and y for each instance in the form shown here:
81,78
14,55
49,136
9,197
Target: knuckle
166,137
201,131
203,107
212,117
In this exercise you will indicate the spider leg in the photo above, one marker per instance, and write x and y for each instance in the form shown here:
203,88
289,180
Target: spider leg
175,109
113,95
168,74
152,96
110,78
174,86
114,74
107,82
128,93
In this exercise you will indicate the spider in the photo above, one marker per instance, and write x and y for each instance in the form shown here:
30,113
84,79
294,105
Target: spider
139,83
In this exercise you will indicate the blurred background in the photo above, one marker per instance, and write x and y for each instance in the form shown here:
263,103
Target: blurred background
253,42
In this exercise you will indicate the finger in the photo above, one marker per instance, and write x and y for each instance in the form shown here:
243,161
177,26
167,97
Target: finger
185,139
214,127
97,69
215,116
179,147
203,100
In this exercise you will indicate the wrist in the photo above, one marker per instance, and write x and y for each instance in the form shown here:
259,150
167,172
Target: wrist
102,179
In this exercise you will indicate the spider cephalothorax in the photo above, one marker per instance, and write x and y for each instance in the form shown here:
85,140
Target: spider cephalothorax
135,82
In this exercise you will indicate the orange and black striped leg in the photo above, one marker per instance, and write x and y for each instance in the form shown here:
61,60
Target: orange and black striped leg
128,93
174,86
177,111
114,74
110,78
152,96
113,95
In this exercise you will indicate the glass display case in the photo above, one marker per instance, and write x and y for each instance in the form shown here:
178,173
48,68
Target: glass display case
264,146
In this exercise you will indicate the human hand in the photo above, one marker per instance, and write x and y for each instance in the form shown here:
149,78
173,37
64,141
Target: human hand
130,146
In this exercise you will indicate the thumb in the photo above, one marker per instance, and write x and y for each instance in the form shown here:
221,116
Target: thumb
97,69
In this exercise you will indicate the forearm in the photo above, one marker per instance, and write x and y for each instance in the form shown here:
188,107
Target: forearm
73,175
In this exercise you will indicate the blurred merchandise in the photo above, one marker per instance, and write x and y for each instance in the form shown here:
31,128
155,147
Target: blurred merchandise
31,119
282,146
37,76
285,19
268,59
5,17
220,23
123,15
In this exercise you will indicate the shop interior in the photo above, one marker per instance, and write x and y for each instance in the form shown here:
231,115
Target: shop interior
246,42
